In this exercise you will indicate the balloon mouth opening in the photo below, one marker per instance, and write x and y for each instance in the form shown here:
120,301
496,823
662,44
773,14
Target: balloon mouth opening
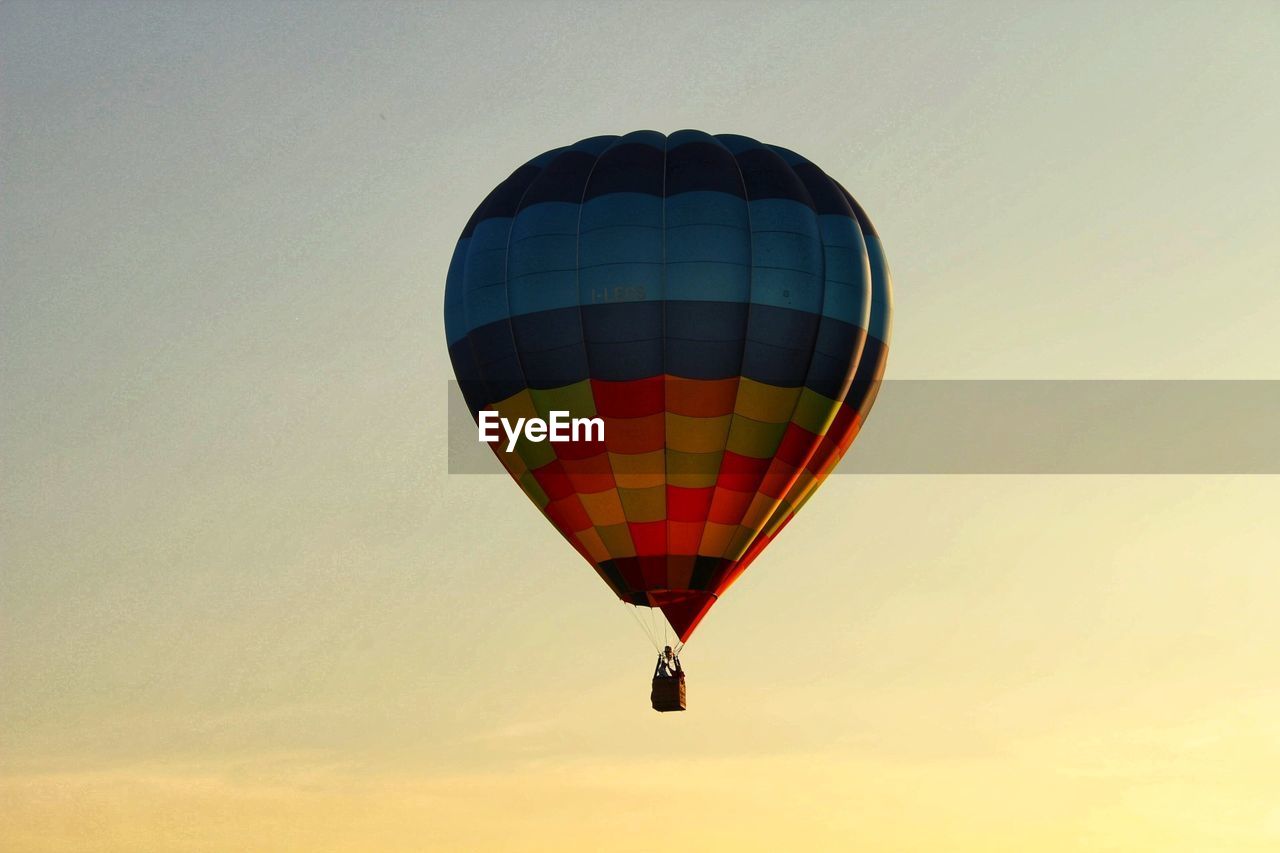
683,608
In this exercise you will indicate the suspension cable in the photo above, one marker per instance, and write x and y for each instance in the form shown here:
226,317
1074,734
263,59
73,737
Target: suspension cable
648,631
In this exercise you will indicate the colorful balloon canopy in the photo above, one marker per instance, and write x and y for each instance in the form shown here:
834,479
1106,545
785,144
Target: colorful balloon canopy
723,305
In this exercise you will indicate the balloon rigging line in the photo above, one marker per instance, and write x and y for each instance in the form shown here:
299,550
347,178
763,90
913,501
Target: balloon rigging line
631,608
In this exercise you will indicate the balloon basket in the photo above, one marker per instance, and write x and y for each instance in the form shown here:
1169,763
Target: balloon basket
668,693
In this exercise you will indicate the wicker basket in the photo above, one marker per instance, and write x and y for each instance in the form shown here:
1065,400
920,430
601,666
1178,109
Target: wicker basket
668,693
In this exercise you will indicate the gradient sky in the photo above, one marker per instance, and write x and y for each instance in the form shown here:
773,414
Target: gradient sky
244,607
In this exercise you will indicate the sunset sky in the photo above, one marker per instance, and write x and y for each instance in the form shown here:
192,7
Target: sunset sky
244,606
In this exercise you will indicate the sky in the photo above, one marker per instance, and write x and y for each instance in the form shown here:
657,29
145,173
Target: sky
244,606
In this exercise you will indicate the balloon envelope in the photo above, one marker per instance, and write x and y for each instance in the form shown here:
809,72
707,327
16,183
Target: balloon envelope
721,304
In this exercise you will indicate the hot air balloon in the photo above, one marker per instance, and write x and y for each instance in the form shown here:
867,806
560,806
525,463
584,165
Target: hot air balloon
722,305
